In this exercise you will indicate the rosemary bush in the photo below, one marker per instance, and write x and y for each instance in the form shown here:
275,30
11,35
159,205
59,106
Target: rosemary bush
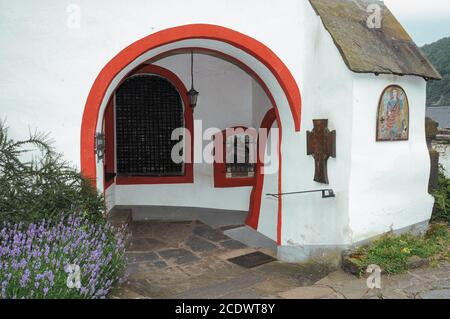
36,183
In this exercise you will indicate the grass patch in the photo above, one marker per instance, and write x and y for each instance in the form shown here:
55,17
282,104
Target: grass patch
392,252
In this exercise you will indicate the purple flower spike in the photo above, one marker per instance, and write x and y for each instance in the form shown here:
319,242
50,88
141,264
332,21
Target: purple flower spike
32,259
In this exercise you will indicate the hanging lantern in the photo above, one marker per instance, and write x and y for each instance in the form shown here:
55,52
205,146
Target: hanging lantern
193,94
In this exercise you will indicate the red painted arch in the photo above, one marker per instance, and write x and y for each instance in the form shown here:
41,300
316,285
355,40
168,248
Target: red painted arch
256,195
193,31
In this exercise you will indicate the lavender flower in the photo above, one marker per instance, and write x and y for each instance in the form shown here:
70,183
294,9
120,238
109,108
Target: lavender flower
32,259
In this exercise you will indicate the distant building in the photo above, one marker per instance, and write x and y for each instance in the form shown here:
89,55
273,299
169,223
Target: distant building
440,114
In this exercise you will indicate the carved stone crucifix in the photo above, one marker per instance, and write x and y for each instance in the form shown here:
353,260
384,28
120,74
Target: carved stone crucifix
321,144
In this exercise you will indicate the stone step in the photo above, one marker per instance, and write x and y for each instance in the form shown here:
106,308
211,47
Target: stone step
119,217
122,218
251,238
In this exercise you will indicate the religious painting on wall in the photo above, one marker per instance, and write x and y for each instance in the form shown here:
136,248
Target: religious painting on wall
393,115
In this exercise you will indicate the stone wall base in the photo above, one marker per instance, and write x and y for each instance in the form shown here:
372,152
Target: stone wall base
332,254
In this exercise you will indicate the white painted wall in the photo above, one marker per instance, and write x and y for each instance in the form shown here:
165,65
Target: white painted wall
261,104
389,180
327,90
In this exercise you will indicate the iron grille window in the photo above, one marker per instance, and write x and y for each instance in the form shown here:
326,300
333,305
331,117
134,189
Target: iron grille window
239,163
148,109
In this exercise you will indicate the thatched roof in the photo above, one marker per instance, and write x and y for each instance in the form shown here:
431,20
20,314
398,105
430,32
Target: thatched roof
386,50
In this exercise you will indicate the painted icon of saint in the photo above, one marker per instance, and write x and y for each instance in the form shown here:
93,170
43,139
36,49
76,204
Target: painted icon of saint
393,116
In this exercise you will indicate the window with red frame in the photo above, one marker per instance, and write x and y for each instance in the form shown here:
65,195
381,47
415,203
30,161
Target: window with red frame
235,164
148,109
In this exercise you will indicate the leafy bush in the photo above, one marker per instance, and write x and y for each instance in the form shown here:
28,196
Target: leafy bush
34,259
43,186
442,196
392,253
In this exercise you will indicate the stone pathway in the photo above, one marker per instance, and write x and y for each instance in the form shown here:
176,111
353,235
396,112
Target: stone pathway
189,260
424,283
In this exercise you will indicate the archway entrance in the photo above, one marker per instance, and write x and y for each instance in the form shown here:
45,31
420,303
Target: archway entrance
251,55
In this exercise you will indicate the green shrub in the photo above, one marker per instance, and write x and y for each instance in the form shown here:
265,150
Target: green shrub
442,196
35,183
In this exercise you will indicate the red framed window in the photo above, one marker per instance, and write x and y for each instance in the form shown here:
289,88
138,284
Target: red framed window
145,109
235,154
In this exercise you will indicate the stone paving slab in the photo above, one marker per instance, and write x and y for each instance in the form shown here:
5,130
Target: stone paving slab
220,289
209,233
136,257
271,288
244,294
307,293
145,244
297,275
178,256
200,245
436,294
124,293
146,289
418,283
232,244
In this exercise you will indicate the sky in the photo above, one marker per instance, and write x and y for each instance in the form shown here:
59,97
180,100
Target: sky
425,20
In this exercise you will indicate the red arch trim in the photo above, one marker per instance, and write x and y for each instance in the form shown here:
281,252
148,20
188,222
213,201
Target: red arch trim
193,31
256,195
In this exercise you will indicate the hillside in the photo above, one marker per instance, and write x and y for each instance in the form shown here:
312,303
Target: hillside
438,93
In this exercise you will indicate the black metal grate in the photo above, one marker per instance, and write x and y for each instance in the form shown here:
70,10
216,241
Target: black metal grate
239,164
148,109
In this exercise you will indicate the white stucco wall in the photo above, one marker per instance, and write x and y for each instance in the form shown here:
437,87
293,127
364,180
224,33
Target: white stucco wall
309,221
389,180
261,104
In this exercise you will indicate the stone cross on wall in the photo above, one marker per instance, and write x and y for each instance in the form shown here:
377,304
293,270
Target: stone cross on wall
321,144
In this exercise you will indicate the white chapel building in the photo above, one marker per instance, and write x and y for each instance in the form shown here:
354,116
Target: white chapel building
338,85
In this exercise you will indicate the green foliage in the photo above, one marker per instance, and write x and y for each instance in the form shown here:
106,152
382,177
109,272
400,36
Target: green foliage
35,183
391,252
442,196
438,92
